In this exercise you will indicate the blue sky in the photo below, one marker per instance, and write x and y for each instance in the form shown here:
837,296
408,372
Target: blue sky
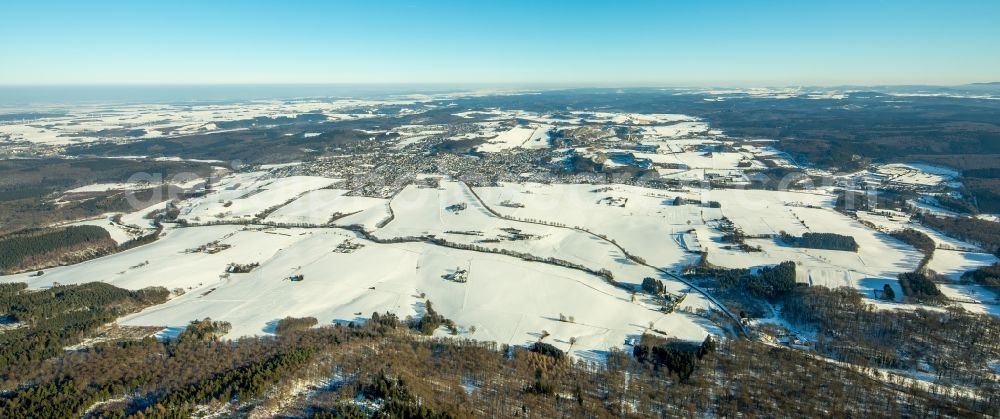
586,43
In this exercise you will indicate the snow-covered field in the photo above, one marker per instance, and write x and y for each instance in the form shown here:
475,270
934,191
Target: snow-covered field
953,264
653,228
916,174
320,206
504,298
248,194
645,225
514,137
680,129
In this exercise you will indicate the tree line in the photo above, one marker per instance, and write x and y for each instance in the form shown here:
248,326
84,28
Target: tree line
981,232
987,276
920,241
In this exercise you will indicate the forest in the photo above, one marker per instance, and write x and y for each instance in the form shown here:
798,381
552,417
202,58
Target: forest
771,282
676,356
981,232
48,320
33,248
28,187
383,369
828,241
959,205
768,283
987,276
955,345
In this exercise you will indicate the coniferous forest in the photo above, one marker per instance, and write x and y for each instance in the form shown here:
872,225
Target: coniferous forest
828,241
43,247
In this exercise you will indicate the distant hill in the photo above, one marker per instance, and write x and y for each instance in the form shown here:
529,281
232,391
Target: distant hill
988,83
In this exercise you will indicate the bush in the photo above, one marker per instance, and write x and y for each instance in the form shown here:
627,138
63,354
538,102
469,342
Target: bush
289,325
652,286
204,330
887,293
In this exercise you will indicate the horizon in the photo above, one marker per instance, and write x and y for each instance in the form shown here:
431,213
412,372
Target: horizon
569,44
527,85
41,96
